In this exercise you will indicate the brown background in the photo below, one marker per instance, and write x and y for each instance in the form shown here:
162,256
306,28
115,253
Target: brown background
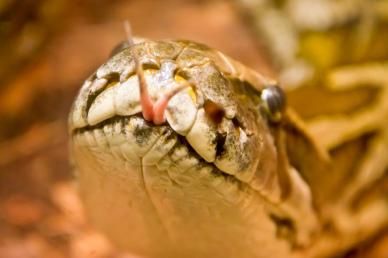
47,49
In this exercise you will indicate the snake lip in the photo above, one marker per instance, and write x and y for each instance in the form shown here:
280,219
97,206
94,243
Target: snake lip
117,118
181,139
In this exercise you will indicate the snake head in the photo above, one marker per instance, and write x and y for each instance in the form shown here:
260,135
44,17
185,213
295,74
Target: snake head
181,141
220,109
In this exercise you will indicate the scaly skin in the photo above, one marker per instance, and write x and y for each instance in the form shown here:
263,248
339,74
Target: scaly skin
188,185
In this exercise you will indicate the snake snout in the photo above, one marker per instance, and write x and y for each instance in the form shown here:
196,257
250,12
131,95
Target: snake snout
101,99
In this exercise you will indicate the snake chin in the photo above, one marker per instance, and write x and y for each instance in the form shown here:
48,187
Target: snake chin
146,182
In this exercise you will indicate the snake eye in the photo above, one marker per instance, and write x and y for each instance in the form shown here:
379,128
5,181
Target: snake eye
119,47
274,102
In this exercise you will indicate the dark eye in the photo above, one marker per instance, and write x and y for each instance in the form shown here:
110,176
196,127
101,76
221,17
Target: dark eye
119,47
274,102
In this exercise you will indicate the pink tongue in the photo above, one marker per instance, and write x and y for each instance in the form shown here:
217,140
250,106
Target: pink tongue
161,104
154,111
147,105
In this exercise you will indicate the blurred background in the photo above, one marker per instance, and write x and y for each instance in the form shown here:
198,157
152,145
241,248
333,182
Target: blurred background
49,47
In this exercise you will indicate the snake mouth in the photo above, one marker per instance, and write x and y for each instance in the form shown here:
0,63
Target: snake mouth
214,133
132,139
118,129
216,145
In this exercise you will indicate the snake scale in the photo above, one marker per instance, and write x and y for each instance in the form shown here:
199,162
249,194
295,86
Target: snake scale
181,151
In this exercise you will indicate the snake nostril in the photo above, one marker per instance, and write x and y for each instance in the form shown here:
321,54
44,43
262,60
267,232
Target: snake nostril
150,66
112,77
179,73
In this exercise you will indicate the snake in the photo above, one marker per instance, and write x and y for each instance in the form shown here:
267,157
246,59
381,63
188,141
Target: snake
182,151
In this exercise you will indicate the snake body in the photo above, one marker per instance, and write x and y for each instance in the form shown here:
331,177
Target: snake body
215,180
